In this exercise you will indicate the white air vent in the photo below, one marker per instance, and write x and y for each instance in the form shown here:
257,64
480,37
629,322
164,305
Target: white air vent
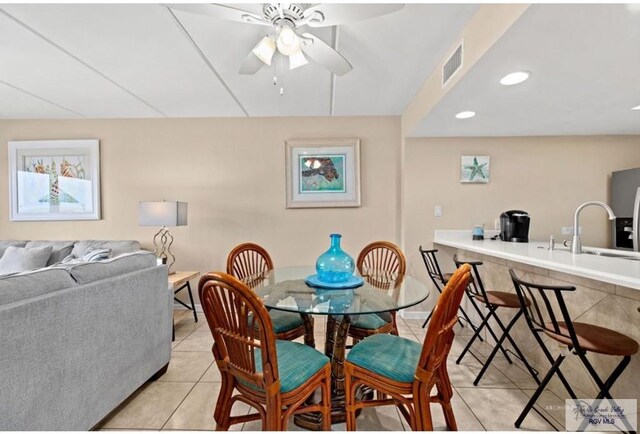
454,63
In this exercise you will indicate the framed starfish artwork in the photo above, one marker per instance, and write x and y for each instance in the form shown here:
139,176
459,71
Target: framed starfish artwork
474,169
323,173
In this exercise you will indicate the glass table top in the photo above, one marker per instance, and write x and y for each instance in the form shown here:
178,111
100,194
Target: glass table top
285,289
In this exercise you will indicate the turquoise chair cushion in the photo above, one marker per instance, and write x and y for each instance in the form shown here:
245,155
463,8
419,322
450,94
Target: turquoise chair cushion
369,322
296,364
284,321
391,356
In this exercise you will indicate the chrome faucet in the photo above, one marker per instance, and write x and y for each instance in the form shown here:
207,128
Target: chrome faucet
576,245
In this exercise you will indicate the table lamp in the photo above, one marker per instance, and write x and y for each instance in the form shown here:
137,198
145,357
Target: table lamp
163,214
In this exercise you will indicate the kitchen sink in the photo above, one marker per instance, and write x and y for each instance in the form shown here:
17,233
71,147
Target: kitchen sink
612,255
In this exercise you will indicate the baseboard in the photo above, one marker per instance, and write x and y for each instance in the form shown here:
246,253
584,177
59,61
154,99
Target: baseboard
178,306
414,314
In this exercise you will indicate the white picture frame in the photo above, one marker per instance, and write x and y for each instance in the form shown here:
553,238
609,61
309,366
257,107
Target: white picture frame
475,169
53,180
322,173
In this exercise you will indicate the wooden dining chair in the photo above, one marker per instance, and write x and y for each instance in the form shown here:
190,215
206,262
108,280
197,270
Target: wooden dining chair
273,376
382,264
406,371
251,263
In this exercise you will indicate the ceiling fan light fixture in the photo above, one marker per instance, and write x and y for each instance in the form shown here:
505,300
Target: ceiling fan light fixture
515,78
288,42
265,49
297,60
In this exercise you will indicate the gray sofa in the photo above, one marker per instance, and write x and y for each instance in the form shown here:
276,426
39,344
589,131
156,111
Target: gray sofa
77,340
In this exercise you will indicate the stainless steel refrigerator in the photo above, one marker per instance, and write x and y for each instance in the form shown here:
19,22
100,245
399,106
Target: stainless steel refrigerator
625,202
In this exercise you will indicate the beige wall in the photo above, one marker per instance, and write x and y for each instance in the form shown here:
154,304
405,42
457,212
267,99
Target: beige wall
231,172
546,176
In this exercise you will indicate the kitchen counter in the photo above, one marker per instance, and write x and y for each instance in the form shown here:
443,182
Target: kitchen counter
607,294
616,271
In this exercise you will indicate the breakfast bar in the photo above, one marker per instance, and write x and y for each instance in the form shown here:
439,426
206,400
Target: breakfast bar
607,294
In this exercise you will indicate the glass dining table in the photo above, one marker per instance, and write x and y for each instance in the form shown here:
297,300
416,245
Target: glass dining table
285,289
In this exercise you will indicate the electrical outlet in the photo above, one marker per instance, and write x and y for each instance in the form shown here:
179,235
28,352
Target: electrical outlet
437,211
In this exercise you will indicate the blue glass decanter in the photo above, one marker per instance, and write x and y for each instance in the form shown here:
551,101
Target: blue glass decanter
335,265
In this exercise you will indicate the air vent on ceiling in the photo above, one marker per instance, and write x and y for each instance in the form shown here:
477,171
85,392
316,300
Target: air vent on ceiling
453,64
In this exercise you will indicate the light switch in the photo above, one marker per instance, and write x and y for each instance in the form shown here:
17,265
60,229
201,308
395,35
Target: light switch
437,211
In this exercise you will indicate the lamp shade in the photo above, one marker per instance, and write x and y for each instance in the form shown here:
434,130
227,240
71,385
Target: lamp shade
162,213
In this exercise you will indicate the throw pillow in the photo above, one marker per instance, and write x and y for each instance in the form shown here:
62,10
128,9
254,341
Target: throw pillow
96,255
93,255
61,249
16,259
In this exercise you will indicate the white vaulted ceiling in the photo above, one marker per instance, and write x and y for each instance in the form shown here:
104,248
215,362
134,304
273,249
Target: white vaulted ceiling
143,60
585,65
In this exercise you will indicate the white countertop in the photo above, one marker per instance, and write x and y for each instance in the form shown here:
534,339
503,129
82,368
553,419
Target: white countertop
617,271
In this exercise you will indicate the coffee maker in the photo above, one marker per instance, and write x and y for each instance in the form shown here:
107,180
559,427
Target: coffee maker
514,226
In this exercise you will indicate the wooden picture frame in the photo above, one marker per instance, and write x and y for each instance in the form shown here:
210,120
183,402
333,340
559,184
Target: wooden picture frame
54,180
322,173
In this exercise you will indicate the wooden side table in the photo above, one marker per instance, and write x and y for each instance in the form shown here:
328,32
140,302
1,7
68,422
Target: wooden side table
179,281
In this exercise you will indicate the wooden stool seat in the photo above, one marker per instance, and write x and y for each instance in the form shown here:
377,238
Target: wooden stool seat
596,339
501,299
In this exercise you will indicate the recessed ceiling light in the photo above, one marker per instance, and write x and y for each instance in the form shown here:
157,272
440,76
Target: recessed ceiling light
636,107
515,78
465,115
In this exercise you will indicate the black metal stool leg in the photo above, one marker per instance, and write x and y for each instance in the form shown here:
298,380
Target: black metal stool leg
492,313
479,312
539,390
496,348
424,324
606,385
473,338
485,322
551,360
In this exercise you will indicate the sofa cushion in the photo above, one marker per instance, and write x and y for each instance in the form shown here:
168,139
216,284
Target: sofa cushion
61,249
123,264
117,247
17,259
30,284
5,244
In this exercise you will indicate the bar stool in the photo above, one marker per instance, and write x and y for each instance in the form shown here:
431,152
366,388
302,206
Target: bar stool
580,338
493,300
439,281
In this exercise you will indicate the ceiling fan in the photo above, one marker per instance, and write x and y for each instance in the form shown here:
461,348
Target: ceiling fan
288,35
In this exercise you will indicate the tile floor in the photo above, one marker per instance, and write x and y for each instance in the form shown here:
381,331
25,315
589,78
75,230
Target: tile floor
184,398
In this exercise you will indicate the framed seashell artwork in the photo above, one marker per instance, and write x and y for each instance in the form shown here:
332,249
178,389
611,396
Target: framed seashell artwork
54,180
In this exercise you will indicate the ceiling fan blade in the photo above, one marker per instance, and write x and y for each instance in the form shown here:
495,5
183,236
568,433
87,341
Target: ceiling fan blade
335,14
321,53
220,11
251,64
